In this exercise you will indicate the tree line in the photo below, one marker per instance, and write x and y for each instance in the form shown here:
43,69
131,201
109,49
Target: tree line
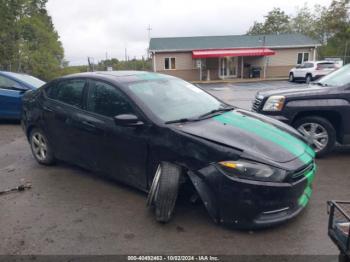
328,25
28,40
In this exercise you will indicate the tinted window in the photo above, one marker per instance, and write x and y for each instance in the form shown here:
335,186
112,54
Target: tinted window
7,83
308,65
69,91
326,65
107,100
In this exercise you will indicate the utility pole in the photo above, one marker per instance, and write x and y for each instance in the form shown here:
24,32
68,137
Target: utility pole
265,58
126,54
91,63
149,29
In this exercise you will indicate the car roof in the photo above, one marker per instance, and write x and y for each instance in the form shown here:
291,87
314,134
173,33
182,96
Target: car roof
11,74
122,76
17,77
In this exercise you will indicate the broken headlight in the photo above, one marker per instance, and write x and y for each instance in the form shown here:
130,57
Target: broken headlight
252,171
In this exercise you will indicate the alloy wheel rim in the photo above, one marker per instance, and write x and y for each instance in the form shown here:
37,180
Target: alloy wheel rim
39,146
316,134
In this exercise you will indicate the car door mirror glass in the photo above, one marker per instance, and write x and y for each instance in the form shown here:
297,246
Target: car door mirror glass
127,120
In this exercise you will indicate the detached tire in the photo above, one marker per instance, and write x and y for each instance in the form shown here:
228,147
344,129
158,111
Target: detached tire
41,148
164,190
317,130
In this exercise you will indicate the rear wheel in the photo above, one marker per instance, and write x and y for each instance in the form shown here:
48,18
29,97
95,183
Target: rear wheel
164,190
291,77
319,132
40,147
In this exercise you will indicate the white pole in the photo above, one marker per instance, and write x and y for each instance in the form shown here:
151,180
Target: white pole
315,59
265,67
154,62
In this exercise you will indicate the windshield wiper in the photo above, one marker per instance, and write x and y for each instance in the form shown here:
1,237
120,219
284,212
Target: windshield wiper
181,120
219,110
184,120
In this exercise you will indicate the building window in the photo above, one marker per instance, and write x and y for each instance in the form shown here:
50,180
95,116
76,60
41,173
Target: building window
302,57
169,63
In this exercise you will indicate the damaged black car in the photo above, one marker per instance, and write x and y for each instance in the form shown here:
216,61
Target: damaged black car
157,132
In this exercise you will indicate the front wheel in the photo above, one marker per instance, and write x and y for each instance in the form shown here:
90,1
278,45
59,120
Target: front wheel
319,132
164,190
308,79
40,147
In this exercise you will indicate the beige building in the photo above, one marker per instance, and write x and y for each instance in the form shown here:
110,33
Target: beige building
229,57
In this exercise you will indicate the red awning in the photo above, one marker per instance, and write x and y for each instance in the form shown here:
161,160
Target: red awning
232,52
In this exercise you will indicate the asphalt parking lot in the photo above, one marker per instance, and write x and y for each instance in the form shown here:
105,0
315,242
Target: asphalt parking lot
72,211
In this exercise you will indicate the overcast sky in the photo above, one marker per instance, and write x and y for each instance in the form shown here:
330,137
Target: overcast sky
96,27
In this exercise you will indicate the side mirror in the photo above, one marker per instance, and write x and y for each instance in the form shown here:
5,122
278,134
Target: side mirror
17,88
127,120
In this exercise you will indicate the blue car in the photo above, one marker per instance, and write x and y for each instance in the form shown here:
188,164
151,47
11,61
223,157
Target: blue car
12,88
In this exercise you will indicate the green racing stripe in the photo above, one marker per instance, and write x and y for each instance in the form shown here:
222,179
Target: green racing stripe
271,133
310,176
268,132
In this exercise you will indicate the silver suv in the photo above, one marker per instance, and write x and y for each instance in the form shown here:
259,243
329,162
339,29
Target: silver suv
311,70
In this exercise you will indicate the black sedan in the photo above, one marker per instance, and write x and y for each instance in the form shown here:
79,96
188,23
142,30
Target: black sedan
156,132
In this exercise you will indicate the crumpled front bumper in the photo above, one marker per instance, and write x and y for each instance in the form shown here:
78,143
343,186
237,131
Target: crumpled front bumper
251,204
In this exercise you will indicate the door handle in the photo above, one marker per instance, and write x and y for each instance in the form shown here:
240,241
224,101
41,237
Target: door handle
47,109
89,124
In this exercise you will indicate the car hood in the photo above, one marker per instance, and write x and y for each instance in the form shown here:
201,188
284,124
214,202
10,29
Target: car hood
304,91
254,136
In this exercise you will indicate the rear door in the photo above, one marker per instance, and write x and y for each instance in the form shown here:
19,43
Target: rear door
61,111
10,98
299,71
306,69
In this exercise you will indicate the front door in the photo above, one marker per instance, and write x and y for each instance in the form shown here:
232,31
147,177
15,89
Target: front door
120,151
228,67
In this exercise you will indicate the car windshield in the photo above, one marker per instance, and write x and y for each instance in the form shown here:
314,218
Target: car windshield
172,99
31,80
338,78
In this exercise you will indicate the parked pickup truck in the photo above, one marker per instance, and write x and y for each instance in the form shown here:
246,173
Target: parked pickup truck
321,111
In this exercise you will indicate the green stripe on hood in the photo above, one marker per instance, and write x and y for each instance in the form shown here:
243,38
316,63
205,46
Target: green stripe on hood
268,132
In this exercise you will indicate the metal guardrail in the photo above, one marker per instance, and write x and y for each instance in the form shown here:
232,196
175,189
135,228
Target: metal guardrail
339,225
